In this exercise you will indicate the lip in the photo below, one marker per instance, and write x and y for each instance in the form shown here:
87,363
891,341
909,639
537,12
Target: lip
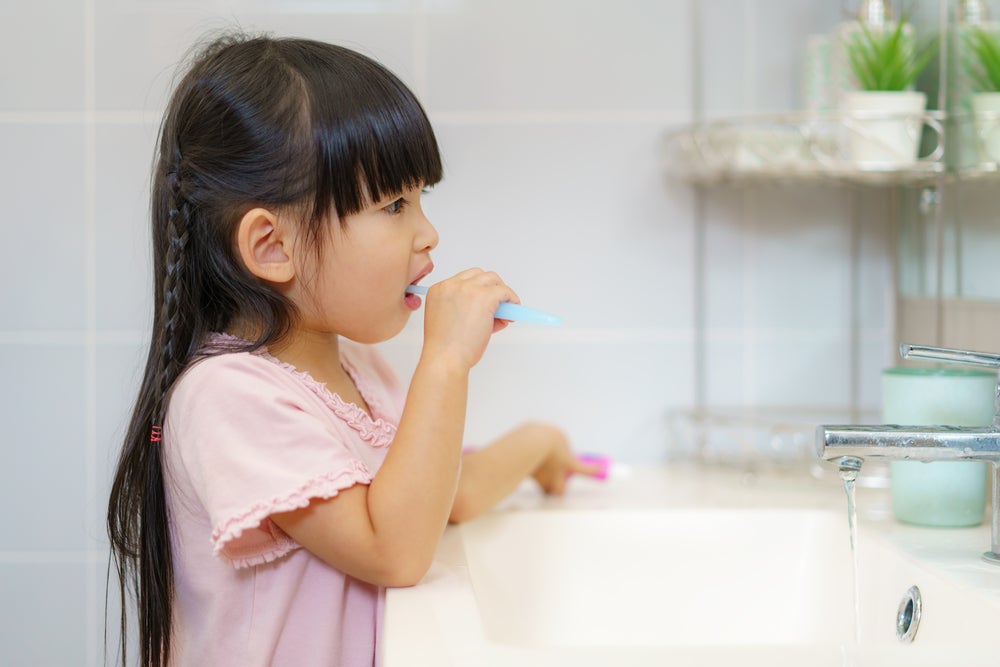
423,274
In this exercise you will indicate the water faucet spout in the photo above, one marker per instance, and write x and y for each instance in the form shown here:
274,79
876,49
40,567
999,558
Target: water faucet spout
850,467
849,445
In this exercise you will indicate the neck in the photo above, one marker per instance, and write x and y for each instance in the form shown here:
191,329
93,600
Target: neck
313,351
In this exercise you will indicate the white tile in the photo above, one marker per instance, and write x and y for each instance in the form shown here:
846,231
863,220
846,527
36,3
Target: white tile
139,47
875,268
778,258
119,374
751,52
575,218
106,649
725,255
799,256
559,54
724,383
724,43
877,353
123,251
43,615
780,30
799,371
980,243
42,169
42,56
43,428
608,397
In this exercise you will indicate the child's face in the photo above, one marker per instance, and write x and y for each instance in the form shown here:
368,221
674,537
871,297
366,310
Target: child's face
366,264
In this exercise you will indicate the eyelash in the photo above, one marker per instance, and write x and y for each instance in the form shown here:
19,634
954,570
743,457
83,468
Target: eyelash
396,207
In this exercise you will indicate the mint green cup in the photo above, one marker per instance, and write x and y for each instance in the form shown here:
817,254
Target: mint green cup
944,494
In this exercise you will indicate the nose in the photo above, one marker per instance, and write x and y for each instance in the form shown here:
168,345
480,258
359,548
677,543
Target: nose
426,238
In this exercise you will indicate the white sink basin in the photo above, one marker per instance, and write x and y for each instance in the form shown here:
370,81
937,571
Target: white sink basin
699,575
661,578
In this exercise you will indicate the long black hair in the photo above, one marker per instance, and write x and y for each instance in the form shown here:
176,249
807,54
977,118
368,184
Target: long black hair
293,124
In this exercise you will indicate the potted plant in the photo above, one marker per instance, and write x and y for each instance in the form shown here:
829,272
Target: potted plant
984,71
886,114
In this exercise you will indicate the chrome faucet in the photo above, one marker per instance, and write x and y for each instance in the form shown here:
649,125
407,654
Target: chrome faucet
848,446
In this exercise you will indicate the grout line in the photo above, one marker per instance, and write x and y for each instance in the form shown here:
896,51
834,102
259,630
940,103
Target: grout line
854,367
421,86
81,117
697,62
90,351
72,337
738,335
699,210
560,117
421,71
85,556
514,335
750,64
751,337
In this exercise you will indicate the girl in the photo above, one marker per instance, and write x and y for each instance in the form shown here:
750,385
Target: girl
275,478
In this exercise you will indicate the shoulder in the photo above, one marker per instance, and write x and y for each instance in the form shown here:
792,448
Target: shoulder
235,380
233,368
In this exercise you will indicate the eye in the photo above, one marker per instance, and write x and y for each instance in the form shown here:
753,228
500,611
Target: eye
396,206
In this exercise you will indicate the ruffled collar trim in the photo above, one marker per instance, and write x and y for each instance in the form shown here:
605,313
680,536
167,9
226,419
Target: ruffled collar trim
376,429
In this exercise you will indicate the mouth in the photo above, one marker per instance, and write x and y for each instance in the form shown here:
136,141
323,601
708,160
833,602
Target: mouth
413,301
423,274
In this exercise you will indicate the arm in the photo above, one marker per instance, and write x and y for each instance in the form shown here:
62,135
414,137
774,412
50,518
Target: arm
386,533
491,473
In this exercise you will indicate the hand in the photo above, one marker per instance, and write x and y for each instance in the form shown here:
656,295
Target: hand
458,315
560,463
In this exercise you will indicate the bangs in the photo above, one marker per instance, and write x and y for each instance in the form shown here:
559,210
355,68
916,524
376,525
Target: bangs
371,136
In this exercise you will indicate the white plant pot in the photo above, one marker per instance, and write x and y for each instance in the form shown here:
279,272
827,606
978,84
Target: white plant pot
883,127
986,108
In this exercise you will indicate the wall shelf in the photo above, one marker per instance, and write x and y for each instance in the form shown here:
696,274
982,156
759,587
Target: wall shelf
802,147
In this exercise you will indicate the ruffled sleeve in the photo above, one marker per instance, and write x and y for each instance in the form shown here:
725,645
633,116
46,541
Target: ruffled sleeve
249,441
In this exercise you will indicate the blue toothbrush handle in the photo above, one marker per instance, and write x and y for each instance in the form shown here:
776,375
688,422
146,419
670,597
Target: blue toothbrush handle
518,313
509,311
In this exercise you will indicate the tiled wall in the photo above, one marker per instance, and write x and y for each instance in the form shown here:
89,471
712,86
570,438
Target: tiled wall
551,116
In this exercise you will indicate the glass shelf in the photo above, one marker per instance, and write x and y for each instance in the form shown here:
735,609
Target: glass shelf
803,146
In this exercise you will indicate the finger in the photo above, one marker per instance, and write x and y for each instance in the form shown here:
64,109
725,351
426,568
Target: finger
468,274
557,486
585,465
492,279
514,298
588,469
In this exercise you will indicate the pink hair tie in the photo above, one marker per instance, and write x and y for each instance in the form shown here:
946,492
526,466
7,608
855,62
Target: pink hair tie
156,434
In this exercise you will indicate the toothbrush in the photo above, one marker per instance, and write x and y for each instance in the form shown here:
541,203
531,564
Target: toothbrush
509,311
603,463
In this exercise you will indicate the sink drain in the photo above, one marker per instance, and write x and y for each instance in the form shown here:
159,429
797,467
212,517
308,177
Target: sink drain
908,615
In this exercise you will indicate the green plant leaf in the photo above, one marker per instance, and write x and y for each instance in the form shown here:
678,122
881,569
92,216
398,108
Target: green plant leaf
985,46
887,59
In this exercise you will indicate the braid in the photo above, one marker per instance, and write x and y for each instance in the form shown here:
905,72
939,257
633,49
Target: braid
173,351
137,512
167,358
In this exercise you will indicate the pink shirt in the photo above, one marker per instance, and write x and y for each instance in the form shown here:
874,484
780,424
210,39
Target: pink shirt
247,436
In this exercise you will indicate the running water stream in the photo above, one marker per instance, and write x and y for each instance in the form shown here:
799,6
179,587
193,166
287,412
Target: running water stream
849,469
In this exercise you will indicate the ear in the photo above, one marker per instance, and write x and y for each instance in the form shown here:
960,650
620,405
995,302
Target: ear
264,248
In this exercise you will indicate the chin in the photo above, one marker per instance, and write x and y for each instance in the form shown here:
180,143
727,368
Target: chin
380,334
